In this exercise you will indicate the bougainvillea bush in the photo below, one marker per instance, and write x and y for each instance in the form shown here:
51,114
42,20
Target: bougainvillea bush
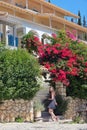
66,60
31,41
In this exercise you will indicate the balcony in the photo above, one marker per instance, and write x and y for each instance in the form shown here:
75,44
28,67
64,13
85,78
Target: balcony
19,3
41,7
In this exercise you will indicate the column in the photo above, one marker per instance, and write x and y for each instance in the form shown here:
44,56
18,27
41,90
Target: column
64,26
76,33
7,35
83,35
26,4
4,33
54,12
41,8
61,89
50,22
14,35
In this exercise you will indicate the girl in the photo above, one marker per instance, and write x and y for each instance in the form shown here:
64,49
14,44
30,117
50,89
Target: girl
52,104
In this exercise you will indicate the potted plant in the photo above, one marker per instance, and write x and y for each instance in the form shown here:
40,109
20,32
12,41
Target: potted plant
38,107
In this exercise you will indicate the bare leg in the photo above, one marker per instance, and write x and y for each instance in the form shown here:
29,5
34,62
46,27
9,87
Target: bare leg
54,118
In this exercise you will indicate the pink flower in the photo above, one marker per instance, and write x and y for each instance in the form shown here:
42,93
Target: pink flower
71,61
53,71
71,36
74,71
66,82
48,50
86,64
66,53
47,65
54,35
57,45
62,75
85,70
36,39
55,51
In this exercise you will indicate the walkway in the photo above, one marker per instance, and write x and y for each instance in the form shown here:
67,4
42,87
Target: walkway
42,126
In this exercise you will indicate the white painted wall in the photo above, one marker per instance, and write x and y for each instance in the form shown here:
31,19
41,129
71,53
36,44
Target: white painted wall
40,29
28,25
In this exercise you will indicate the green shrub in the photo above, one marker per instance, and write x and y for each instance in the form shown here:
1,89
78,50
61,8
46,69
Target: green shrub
77,88
19,119
78,120
18,72
38,106
62,105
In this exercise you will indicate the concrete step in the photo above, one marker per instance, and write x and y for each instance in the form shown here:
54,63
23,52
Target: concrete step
45,114
48,119
65,121
42,94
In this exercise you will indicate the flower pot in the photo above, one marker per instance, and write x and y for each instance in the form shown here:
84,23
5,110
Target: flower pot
37,114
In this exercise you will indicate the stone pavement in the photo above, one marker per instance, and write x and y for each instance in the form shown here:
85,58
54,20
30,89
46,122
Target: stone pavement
42,126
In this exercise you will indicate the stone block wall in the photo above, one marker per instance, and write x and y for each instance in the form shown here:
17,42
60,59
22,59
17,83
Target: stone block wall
10,110
76,107
61,89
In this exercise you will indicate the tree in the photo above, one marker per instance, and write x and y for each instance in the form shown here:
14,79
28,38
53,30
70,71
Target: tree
79,19
84,21
72,20
49,1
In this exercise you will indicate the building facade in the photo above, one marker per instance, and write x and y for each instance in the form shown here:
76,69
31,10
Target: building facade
18,17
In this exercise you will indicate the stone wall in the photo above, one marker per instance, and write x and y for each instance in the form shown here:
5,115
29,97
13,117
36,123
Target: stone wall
61,89
10,110
76,107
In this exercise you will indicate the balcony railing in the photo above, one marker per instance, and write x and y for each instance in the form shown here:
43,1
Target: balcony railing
19,3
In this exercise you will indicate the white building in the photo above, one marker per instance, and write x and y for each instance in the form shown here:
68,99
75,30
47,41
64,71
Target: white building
18,17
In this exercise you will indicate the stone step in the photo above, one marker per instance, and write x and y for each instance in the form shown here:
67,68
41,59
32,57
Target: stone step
45,114
47,118
46,92
42,94
65,121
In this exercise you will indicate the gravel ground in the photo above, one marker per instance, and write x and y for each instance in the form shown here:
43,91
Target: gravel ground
42,126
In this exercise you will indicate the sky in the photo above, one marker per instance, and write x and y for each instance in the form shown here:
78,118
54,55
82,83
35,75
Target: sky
73,6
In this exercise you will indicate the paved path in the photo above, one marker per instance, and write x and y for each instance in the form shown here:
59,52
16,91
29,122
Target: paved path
42,126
